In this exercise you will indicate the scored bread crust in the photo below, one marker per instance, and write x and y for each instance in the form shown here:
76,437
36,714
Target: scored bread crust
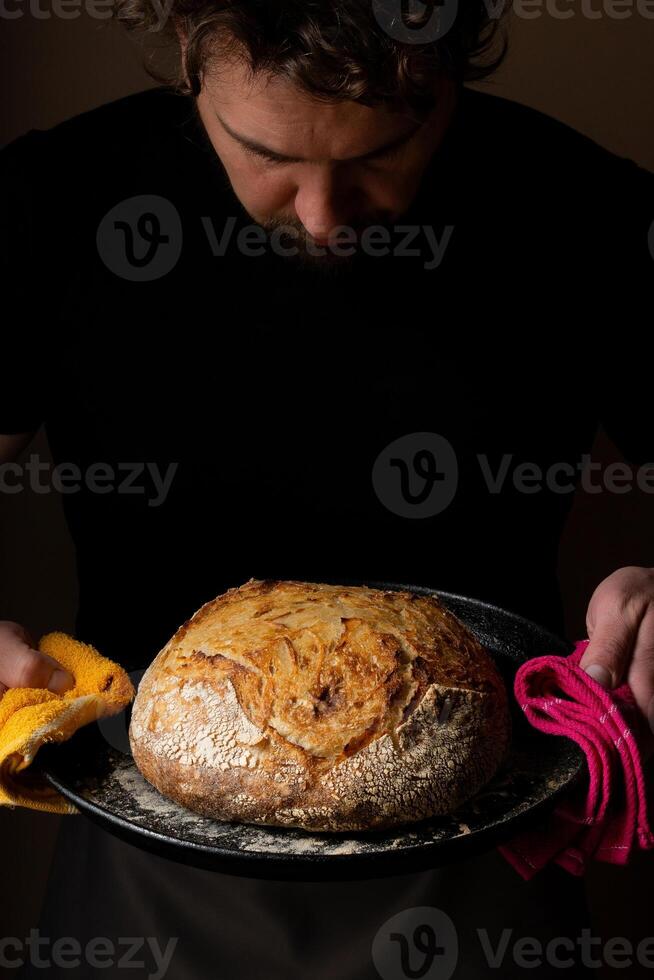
324,707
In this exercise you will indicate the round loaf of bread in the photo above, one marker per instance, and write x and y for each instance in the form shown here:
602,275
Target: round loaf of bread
329,708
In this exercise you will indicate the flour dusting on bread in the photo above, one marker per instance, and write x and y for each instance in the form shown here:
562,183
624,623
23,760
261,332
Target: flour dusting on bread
330,708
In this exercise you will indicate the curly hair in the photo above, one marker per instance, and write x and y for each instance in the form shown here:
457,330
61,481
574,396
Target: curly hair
336,50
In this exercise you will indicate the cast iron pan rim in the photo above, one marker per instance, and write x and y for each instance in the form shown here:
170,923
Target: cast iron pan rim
553,638
343,865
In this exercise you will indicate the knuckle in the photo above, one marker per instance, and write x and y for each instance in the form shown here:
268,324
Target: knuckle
639,584
624,609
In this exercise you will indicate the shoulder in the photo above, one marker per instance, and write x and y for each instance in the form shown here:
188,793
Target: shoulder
533,145
56,185
133,126
555,190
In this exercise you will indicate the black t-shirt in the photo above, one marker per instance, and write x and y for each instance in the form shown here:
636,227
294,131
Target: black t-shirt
285,406
266,393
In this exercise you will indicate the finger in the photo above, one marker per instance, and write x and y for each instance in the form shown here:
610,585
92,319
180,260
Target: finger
23,666
641,670
612,641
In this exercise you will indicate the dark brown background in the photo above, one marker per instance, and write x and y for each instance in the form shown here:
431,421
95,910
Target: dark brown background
596,75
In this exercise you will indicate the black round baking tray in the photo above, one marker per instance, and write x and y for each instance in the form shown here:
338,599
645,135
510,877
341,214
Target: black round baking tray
95,770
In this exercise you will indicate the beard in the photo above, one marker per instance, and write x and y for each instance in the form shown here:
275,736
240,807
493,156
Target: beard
290,239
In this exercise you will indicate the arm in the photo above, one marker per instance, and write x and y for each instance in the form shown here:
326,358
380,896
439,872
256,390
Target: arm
21,391
620,617
621,365
21,665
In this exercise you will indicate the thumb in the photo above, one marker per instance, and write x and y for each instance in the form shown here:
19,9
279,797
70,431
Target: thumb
23,666
607,656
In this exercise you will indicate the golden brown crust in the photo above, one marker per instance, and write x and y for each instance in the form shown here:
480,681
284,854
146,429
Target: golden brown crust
320,706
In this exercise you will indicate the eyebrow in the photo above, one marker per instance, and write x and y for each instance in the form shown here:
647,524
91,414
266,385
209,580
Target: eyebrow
255,147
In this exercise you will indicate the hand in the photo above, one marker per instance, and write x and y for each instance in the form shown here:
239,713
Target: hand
620,624
23,666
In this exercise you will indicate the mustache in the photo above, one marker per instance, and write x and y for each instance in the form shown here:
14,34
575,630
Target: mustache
297,230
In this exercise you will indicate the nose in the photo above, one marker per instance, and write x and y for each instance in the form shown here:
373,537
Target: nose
324,201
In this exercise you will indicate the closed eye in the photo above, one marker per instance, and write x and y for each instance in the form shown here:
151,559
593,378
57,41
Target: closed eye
388,154
384,154
268,157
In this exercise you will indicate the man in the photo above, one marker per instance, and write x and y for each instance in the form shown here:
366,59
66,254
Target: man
230,305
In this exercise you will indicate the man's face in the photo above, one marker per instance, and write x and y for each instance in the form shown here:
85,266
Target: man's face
295,161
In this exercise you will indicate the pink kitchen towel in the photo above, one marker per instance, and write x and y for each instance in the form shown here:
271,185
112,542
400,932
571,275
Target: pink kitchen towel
604,818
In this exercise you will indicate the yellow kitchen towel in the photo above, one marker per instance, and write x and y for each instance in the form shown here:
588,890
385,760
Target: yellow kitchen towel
30,717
